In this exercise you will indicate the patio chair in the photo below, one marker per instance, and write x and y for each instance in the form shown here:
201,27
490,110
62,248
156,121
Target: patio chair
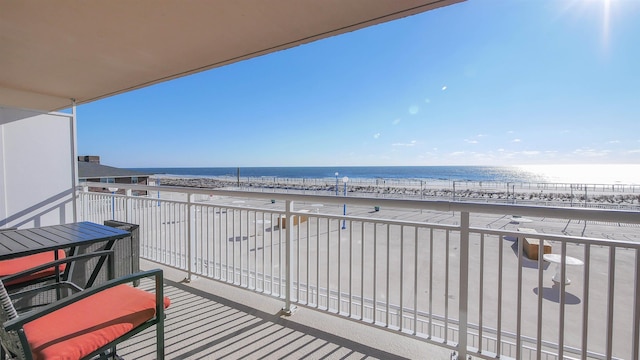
86,325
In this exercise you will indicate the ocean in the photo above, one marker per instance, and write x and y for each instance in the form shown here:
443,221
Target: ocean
573,174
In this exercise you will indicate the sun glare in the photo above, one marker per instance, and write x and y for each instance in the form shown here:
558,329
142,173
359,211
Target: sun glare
599,10
606,19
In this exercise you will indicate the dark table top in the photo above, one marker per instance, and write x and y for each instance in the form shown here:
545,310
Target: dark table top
16,243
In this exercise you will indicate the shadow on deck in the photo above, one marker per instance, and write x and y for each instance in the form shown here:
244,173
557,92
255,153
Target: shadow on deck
210,320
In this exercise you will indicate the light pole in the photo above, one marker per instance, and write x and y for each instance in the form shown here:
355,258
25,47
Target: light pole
344,209
336,183
113,202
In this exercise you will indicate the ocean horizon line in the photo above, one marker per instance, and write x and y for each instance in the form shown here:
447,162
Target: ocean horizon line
567,173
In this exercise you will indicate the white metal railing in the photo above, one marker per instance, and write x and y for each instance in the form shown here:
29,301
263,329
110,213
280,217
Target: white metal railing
437,270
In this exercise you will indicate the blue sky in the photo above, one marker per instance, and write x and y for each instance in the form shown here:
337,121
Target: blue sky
485,82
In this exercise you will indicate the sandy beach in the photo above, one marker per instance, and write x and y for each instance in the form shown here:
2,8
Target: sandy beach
619,196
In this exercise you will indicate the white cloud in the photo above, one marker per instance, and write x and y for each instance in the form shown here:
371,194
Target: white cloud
414,109
396,121
516,140
614,142
376,135
470,141
591,152
411,143
444,88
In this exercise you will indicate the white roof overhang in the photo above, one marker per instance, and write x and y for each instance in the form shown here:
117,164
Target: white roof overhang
53,51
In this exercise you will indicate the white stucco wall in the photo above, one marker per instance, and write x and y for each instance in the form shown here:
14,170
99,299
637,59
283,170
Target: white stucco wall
36,175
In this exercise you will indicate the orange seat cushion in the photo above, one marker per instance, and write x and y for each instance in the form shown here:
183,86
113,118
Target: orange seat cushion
84,326
13,266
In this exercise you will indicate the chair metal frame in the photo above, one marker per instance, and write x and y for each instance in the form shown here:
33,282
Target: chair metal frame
12,330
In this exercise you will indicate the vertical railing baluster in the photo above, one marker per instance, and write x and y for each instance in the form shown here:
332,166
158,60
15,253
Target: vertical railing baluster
415,280
271,260
161,233
401,277
563,284
85,202
350,269
481,293
328,289
362,261
446,287
233,246
375,268
585,300
499,315
241,227
288,309
610,301
318,263
190,241
430,283
309,257
226,244
206,241
388,276
281,240
540,292
635,348
339,271
264,255
519,303
128,206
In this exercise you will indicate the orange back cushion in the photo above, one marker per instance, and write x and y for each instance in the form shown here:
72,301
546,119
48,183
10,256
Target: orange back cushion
13,266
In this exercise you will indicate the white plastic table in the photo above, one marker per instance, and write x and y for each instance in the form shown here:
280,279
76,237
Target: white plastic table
557,259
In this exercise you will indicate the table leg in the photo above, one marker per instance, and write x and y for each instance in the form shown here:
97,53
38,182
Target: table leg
557,277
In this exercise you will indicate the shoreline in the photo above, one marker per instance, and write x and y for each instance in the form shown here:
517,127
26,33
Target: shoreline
548,194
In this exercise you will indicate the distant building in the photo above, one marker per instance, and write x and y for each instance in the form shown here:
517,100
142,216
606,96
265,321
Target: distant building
90,169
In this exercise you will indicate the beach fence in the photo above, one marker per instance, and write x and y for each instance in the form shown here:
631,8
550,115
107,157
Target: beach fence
453,274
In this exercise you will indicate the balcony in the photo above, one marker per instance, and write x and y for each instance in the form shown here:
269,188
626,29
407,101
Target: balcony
416,279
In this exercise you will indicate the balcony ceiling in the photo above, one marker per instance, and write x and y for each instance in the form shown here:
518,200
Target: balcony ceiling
52,51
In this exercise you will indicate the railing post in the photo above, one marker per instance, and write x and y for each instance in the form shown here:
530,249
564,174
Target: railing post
85,202
635,346
128,205
464,285
288,308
